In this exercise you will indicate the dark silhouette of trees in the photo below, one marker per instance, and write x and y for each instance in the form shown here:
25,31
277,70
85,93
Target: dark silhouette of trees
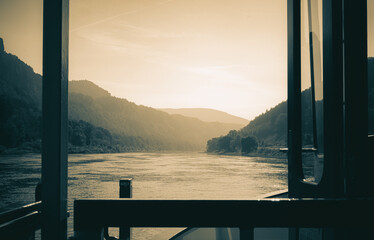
249,144
232,143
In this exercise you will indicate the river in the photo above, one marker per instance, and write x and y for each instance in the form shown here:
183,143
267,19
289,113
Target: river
181,175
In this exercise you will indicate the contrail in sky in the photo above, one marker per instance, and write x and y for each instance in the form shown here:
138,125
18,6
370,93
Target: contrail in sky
119,15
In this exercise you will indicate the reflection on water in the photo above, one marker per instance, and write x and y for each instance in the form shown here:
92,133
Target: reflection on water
155,176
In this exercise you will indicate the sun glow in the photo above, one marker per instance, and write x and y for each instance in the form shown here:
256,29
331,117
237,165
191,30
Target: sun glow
226,55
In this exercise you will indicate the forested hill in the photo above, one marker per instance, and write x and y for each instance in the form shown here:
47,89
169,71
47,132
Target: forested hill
159,129
270,128
98,122
87,88
20,114
20,103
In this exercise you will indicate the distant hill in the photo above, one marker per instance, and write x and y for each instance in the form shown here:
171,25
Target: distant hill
20,114
208,115
98,122
87,88
159,129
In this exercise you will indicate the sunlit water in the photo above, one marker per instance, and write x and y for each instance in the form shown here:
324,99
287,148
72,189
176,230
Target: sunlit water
155,176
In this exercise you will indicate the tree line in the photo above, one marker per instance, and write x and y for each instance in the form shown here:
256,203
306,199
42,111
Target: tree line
233,142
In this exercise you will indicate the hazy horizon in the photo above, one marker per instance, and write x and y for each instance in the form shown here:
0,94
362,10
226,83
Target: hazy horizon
224,55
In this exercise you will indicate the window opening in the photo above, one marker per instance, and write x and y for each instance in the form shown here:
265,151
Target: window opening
312,89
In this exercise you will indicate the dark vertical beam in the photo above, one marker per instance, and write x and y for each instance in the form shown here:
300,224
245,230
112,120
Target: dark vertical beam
332,182
125,191
38,192
358,164
246,233
293,233
55,100
295,172
125,188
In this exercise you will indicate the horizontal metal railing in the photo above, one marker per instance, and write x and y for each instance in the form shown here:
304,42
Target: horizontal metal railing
277,194
19,212
20,223
93,214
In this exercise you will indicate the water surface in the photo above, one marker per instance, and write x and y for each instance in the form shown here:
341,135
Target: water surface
181,175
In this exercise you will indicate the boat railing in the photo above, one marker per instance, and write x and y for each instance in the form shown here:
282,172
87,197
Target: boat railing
91,216
21,223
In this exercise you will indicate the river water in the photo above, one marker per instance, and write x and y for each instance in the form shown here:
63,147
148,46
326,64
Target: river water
181,175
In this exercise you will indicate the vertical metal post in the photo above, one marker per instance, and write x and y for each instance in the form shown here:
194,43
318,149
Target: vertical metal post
38,192
358,164
293,233
332,180
313,68
55,107
246,233
125,191
295,171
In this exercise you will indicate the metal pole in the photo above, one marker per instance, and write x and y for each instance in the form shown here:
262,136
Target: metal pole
359,182
246,233
55,113
295,170
125,191
38,192
38,197
312,69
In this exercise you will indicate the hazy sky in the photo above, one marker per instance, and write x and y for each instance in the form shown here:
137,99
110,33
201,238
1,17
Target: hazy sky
223,54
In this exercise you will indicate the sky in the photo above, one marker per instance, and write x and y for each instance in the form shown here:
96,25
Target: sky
229,55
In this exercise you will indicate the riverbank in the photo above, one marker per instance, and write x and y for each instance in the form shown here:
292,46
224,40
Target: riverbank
26,148
265,152
90,150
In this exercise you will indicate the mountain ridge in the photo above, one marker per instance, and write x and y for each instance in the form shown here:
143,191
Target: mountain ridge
88,88
208,115
98,121
135,120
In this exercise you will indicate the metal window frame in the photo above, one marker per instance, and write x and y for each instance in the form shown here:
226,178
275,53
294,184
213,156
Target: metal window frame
358,165
347,166
54,119
332,181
